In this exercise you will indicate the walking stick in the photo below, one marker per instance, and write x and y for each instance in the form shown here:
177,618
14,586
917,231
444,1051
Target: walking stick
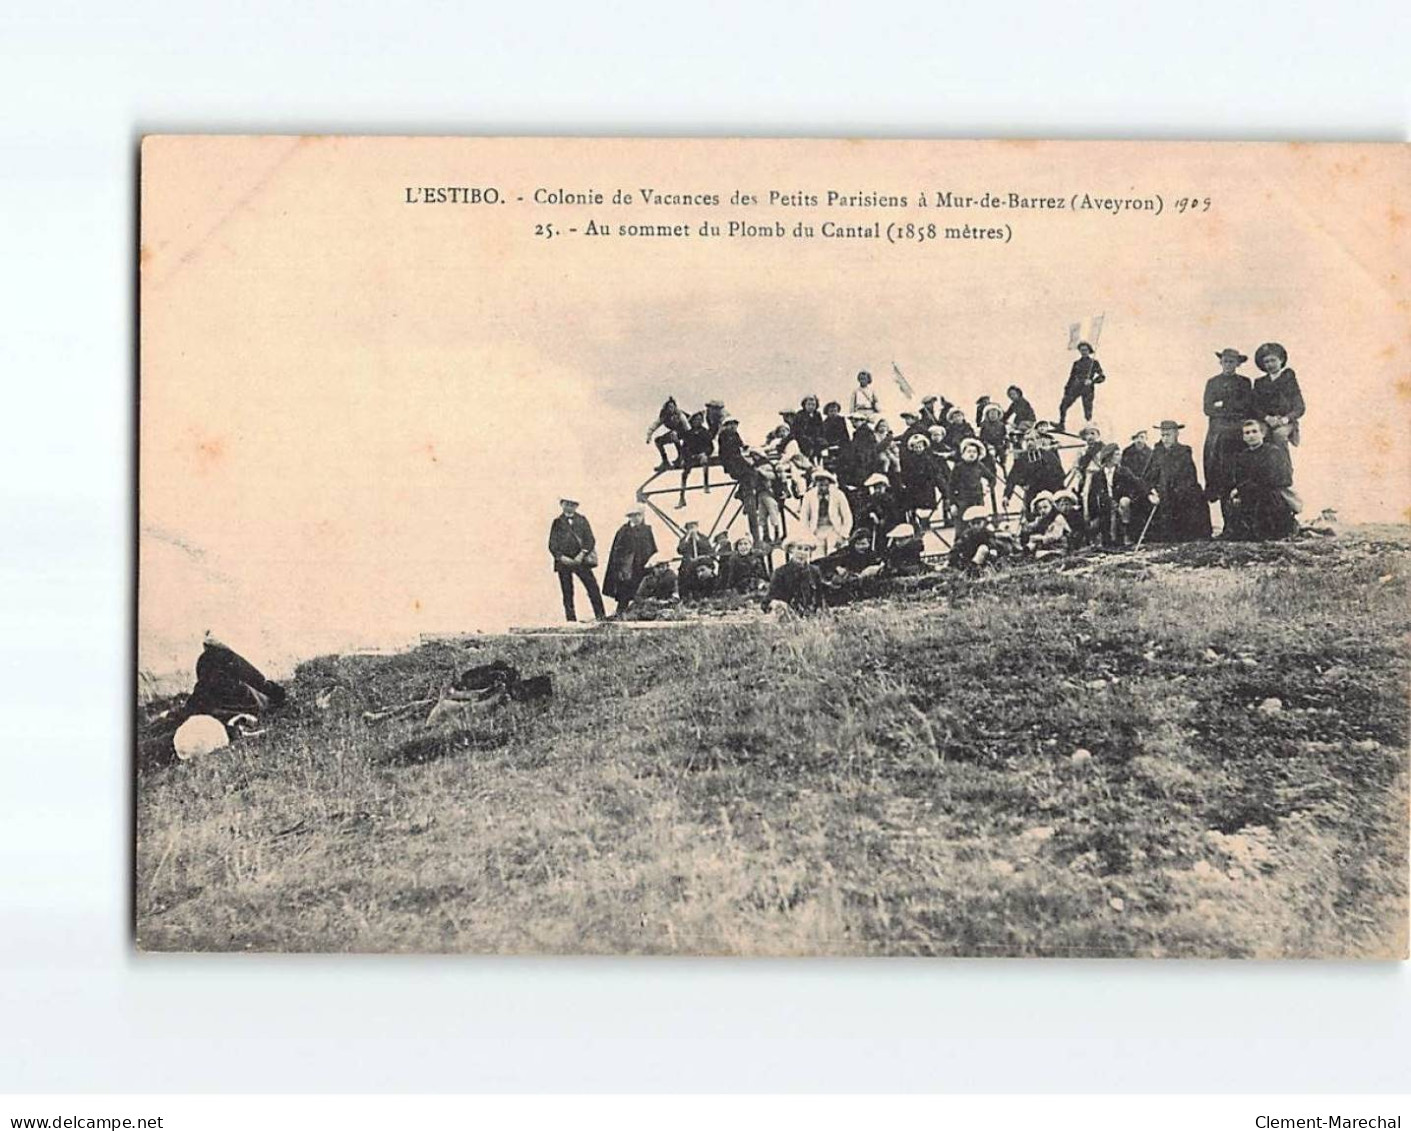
1147,527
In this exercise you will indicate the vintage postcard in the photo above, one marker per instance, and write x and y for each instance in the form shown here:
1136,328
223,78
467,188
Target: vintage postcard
773,547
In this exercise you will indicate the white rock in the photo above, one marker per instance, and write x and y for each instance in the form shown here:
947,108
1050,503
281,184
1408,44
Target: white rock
1079,756
1117,903
1038,832
1271,706
1002,867
199,735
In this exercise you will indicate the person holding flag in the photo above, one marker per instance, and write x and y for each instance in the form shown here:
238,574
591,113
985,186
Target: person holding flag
1083,380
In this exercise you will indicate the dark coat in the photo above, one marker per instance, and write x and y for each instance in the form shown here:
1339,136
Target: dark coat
923,476
1086,371
808,431
1020,412
732,454
1100,505
995,436
955,432
1228,403
693,546
1136,460
879,513
696,443
1280,396
835,431
632,548
798,584
569,537
1259,508
1182,514
967,484
1035,471
858,459
741,572
227,684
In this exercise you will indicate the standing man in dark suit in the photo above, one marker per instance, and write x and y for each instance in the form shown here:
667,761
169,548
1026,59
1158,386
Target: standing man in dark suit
632,548
575,554
1083,380
1229,400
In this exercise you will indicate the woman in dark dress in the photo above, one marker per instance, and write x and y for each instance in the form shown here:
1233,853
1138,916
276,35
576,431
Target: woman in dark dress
1278,401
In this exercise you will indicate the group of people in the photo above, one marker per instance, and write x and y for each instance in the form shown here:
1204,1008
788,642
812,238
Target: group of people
865,494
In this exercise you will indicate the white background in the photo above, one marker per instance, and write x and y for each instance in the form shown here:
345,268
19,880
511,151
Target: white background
79,84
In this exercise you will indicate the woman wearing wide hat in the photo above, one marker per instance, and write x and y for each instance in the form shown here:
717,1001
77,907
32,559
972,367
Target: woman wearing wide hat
1278,401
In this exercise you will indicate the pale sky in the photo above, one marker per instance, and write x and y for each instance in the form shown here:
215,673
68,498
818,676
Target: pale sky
358,415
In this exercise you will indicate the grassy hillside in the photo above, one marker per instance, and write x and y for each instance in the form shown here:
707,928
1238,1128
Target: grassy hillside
902,776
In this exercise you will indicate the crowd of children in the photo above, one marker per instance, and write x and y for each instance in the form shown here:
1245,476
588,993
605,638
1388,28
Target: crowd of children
865,495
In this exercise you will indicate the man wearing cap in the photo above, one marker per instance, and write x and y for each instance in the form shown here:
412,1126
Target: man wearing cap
912,426
1229,400
797,583
824,514
1136,459
574,551
1083,380
1182,513
632,548
1259,494
864,397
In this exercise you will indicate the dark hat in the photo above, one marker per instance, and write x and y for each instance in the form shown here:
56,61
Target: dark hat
1108,451
1271,348
907,414
932,399
1227,352
1139,435
696,414
1085,346
715,404
690,522
861,373
1165,424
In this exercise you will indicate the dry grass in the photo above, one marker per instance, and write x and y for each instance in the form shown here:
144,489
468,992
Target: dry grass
893,778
